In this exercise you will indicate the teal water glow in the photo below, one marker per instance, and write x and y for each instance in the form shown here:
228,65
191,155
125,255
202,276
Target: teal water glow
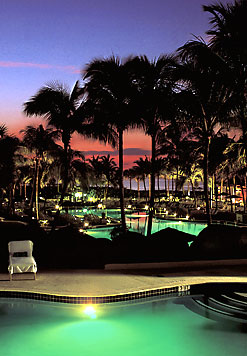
164,327
139,222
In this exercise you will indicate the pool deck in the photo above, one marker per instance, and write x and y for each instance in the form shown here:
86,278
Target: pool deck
119,279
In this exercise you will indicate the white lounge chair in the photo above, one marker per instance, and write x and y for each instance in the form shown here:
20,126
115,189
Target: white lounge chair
20,258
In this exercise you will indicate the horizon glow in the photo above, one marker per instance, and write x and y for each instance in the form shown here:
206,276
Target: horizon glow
44,41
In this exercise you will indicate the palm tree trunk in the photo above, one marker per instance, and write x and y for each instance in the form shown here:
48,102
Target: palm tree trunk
138,188
194,193
11,207
66,174
245,183
25,191
145,188
244,202
221,189
106,190
121,186
158,183
168,186
20,190
149,186
151,204
37,190
229,190
205,182
216,193
234,191
177,178
33,189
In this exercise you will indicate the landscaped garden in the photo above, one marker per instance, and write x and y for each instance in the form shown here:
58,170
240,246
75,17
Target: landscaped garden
191,104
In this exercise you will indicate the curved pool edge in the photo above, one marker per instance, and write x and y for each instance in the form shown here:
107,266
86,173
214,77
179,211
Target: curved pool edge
115,287
180,290
176,291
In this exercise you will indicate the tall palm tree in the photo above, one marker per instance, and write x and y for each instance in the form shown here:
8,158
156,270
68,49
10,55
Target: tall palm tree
173,141
228,39
59,107
109,104
153,83
39,140
206,96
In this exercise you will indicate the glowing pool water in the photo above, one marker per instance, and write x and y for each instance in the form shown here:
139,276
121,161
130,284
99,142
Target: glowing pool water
139,223
162,327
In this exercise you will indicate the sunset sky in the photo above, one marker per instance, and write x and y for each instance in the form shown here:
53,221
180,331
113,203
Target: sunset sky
42,41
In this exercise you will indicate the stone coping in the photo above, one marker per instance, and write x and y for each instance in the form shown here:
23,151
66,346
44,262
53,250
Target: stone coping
168,265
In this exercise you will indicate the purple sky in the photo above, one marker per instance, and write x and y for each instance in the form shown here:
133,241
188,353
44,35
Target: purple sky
52,40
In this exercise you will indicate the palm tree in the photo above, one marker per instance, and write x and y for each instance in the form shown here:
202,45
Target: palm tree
97,173
129,174
137,175
39,140
109,105
143,169
80,171
160,166
206,96
153,83
3,130
109,170
104,171
216,157
8,150
228,39
234,165
59,107
190,160
174,142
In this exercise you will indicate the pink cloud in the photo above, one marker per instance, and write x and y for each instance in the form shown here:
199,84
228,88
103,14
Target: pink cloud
9,64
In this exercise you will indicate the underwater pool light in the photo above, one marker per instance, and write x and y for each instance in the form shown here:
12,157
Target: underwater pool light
90,311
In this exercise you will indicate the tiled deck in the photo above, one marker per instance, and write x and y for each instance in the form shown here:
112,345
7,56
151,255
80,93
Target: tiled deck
95,283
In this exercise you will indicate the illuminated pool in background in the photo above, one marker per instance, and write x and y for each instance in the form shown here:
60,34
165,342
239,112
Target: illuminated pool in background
161,327
138,222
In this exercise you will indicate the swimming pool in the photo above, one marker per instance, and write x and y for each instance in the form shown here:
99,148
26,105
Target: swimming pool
163,326
138,222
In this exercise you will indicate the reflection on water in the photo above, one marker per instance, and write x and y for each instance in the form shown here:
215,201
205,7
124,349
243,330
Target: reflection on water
138,222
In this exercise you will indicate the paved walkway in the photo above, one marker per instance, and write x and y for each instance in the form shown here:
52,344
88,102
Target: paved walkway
126,280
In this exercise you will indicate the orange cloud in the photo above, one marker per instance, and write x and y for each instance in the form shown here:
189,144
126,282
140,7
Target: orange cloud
9,64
